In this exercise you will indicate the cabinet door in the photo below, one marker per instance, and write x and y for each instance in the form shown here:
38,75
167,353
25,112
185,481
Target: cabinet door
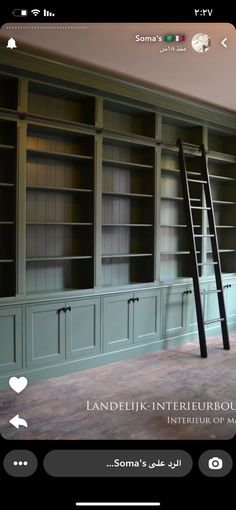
10,338
147,316
117,322
82,328
175,311
230,300
45,330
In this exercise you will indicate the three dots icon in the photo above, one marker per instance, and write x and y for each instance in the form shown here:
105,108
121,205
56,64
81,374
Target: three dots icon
20,463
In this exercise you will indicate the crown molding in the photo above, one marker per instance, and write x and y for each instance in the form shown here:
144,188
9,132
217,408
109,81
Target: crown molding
25,63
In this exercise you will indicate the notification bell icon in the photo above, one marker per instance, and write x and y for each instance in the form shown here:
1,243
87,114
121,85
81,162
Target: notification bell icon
11,43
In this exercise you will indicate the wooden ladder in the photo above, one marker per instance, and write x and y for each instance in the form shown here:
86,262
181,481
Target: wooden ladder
202,177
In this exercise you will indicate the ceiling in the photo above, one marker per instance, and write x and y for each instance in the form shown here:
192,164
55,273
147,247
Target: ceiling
209,76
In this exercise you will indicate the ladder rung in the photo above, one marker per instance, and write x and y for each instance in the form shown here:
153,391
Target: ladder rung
203,235
219,319
207,263
211,291
190,172
196,180
197,207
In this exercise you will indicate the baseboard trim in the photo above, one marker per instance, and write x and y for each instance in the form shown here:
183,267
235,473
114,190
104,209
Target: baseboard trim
72,366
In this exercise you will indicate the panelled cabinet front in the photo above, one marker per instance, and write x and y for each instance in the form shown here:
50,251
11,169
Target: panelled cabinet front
179,315
117,321
82,328
62,330
176,300
230,300
11,336
45,334
147,316
132,318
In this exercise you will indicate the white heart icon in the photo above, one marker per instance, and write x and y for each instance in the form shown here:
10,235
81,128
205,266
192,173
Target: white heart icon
18,384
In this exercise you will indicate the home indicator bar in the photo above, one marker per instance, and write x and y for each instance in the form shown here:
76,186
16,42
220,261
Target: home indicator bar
119,504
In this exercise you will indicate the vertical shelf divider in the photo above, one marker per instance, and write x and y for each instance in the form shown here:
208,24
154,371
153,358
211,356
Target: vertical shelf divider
157,201
21,189
21,207
98,195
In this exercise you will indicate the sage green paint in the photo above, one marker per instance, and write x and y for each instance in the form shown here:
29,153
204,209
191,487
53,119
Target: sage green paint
147,316
118,321
11,334
83,328
45,334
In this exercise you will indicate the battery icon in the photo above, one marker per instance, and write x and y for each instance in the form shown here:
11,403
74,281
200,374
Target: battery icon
20,12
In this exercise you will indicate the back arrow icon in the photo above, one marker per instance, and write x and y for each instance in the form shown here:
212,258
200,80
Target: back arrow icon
223,42
17,421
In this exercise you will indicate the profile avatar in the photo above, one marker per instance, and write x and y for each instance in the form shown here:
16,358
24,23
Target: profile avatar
201,42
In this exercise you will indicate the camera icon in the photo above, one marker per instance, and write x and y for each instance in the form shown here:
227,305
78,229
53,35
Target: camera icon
215,463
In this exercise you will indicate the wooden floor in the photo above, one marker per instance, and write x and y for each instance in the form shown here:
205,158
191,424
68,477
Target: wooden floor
56,408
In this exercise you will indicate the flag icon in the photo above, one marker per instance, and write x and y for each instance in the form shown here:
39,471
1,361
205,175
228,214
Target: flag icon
180,38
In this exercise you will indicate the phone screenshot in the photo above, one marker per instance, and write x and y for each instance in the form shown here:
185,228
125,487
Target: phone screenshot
117,259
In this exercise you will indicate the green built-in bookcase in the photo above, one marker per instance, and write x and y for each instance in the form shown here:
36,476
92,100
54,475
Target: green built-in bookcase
102,191
94,256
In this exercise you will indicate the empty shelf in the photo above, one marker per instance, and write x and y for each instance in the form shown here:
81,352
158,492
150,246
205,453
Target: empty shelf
225,226
223,202
126,164
227,251
127,225
171,171
128,195
221,156
221,178
53,223
126,255
73,257
172,198
53,154
6,147
57,188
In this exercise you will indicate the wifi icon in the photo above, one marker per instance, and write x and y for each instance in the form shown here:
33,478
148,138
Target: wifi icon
35,12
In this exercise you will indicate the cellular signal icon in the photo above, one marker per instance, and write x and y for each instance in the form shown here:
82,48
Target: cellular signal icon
48,13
